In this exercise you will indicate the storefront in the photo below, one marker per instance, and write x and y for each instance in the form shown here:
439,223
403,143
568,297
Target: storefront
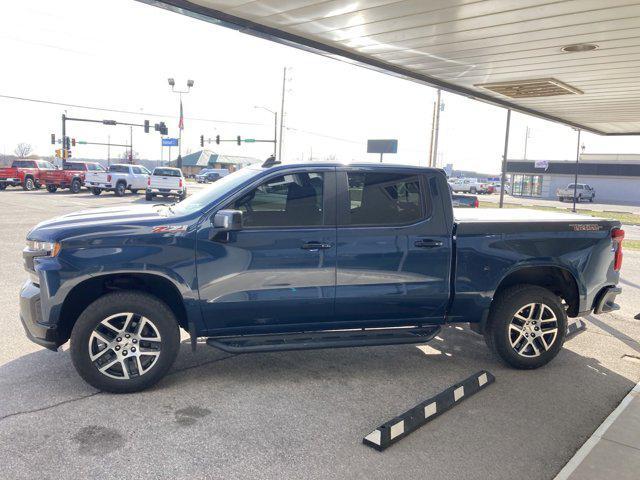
526,185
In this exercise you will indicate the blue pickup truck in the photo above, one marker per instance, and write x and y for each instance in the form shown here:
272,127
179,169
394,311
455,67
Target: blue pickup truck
301,256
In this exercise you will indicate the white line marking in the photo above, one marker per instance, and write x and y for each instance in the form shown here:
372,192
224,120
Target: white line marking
430,410
482,379
374,437
458,393
593,440
397,429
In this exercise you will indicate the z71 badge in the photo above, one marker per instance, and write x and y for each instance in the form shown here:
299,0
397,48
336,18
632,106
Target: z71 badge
585,227
169,229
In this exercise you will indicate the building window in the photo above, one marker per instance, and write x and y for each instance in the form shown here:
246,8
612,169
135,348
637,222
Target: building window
526,185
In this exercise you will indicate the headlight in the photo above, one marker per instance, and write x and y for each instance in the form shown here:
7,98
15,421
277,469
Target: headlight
43,249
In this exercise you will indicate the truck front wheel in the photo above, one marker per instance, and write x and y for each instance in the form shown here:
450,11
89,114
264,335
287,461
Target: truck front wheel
125,342
527,326
52,188
76,186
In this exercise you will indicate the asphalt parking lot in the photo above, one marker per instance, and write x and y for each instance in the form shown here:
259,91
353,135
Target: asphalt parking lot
300,414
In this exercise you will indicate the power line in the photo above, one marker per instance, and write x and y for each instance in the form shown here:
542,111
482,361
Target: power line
356,142
112,110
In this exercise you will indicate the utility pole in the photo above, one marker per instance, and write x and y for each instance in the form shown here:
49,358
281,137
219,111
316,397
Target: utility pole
526,140
284,86
503,175
435,131
108,150
575,179
64,139
131,145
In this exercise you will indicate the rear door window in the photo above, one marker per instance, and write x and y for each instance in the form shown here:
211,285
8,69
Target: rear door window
382,199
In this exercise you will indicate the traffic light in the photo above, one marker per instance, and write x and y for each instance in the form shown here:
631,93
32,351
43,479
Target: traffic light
67,143
73,142
162,128
202,140
146,126
239,140
217,139
53,139
59,153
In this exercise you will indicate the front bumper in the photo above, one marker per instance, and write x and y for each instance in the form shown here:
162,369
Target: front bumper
605,301
31,318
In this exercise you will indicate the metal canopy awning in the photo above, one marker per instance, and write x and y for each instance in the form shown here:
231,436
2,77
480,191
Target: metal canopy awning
505,52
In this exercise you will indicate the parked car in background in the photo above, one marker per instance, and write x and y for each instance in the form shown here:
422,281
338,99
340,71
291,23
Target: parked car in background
118,178
302,256
468,185
208,175
463,201
486,188
24,173
71,176
167,182
582,192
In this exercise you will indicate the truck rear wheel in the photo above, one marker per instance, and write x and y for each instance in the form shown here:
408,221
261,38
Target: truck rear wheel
125,342
527,326
96,191
120,189
29,184
3,186
76,186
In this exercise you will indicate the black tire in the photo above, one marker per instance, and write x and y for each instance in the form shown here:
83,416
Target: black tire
561,199
120,189
52,188
182,196
76,185
134,191
473,190
499,335
96,191
29,184
3,186
110,304
590,199
148,197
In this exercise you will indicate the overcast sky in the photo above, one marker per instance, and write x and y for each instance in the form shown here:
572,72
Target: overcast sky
118,54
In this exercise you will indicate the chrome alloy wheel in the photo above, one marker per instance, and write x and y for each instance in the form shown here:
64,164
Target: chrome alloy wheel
533,330
125,345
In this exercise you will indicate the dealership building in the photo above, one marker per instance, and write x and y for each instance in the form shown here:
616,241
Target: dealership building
615,177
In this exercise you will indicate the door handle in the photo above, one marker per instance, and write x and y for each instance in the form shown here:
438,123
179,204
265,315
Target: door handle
315,246
428,243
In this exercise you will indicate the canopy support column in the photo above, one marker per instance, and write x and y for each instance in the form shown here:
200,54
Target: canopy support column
575,180
504,158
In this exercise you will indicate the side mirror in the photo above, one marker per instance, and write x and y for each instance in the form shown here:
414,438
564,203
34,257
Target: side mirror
228,220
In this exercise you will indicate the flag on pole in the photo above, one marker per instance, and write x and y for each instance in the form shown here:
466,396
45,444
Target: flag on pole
181,122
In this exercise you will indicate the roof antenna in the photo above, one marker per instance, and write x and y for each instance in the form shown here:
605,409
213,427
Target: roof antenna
270,162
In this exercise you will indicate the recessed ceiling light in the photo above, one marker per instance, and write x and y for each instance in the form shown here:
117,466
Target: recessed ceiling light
580,47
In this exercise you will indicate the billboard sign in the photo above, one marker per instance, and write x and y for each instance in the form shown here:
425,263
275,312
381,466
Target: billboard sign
382,146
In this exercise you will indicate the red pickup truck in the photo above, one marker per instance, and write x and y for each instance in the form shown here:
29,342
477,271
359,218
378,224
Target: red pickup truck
72,176
25,173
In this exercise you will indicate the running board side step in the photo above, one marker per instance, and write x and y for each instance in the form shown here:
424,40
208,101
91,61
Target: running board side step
323,339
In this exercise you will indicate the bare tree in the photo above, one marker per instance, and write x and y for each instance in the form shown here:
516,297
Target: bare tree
128,157
23,150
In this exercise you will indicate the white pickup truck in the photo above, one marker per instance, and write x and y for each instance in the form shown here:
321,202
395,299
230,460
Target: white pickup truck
118,178
166,182
468,185
582,192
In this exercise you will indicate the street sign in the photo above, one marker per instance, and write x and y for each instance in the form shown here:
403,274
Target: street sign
81,142
169,142
249,140
542,164
382,146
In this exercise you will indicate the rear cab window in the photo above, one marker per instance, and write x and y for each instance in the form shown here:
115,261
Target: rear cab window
167,172
119,169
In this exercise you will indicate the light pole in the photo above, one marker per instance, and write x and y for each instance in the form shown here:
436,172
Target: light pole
172,84
275,127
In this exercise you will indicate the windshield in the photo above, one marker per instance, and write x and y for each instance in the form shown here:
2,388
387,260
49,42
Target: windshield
209,195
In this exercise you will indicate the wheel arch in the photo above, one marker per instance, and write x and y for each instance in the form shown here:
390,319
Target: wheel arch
89,290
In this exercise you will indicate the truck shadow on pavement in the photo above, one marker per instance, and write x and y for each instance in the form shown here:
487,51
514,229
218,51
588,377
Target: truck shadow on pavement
259,412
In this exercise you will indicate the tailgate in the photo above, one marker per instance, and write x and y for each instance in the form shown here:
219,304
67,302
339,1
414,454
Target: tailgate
165,183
